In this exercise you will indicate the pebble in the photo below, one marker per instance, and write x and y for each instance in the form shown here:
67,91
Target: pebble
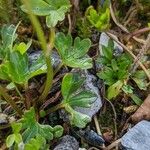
67,142
138,137
55,58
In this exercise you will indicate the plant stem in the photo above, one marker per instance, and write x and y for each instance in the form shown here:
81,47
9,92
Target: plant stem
58,68
53,109
48,83
27,98
46,50
10,101
19,93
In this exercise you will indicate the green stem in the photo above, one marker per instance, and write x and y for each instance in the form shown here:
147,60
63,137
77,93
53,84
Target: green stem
19,93
55,108
48,83
58,68
10,101
46,50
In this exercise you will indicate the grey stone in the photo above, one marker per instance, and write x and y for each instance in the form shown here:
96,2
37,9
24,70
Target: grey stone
67,142
3,119
138,137
91,137
55,58
90,84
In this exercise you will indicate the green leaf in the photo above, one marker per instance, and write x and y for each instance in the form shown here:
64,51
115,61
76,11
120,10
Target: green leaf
10,140
82,99
139,78
18,138
114,89
8,37
127,89
36,143
33,128
73,55
78,119
4,71
53,10
22,47
108,75
73,97
17,67
55,16
10,86
58,131
100,20
114,65
136,99
141,83
38,67
70,84
16,127
38,7
107,52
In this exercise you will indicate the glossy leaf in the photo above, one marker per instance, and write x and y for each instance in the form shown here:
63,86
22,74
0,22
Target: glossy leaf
82,99
136,99
16,127
58,131
53,10
10,140
107,52
22,47
100,20
55,16
73,55
36,143
73,97
127,89
107,75
38,7
114,89
78,119
32,127
139,78
8,36
18,138
70,84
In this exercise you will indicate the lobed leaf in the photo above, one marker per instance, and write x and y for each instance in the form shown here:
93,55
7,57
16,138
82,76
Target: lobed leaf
72,97
53,10
73,55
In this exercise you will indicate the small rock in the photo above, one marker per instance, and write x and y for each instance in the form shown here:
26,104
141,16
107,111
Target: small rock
90,84
138,137
67,142
55,58
3,119
91,137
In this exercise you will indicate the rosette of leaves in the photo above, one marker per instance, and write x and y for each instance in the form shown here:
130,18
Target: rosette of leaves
54,10
15,65
99,19
115,69
74,97
73,54
32,134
